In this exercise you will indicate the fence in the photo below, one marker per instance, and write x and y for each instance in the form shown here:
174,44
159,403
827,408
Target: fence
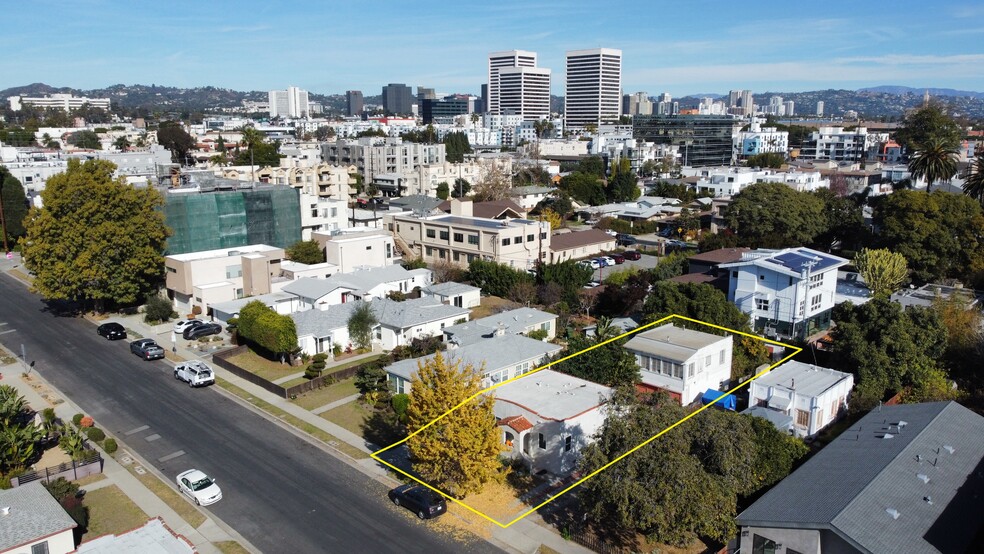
579,535
90,464
219,359
323,381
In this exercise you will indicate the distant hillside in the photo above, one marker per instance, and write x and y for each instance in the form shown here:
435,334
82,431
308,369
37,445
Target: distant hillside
149,97
895,89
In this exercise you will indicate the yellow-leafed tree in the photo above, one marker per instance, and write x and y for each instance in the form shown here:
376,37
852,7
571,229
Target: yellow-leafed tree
459,453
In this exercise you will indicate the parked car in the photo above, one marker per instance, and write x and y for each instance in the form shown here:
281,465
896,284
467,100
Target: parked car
147,349
180,326
625,240
611,232
605,261
593,264
201,330
591,285
195,372
619,259
631,255
112,331
420,500
199,487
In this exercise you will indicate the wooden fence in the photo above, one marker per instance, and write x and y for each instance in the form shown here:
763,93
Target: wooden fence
220,359
90,464
326,379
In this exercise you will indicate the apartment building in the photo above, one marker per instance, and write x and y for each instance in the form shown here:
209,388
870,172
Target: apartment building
292,102
839,144
199,279
594,87
761,140
354,104
375,155
702,140
460,237
358,250
65,102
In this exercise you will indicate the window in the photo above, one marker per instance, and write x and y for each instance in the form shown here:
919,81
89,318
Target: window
815,302
762,304
816,281
389,250
456,256
473,239
499,376
542,441
239,293
445,235
506,242
568,443
441,252
707,361
518,240
530,237
761,277
369,247
40,548
819,419
171,269
802,307
429,251
721,360
734,274
543,236
802,418
523,368
431,233
459,237
233,271
762,545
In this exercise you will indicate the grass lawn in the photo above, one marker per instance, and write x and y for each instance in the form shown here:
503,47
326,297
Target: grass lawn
350,416
270,370
294,381
111,512
230,547
94,478
350,363
185,509
327,395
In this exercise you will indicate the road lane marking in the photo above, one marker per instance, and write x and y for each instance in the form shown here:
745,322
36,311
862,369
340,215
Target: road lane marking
171,456
137,430
152,438
5,332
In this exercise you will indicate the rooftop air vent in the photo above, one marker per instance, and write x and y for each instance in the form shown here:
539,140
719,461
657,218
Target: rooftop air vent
923,477
5,511
887,436
949,448
928,499
892,512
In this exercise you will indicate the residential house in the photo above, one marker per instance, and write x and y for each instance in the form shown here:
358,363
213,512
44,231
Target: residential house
456,294
498,357
787,293
461,237
152,537
800,398
547,418
398,323
32,521
682,362
357,250
200,279
366,284
529,196
704,267
645,208
520,321
904,478
579,244
281,302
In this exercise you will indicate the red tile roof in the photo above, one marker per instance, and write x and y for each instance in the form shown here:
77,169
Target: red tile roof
516,423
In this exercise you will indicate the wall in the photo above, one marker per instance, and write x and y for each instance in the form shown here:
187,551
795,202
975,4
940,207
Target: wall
804,541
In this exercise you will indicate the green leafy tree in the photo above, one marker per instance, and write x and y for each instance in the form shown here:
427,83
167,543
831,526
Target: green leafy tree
776,452
935,160
324,133
443,190
461,188
672,265
96,239
883,271
926,124
458,453
592,165
773,215
584,187
456,146
974,183
14,205
888,348
965,341
122,144
610,364
306,252
940,234
158,309
772,160
85,139
371,378
361,324
844,224
495,278
171,135
264,327
623,185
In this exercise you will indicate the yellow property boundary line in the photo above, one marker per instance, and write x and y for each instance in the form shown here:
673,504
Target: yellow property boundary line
375,455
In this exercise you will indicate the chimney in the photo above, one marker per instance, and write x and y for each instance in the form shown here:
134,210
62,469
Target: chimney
461,207
500,330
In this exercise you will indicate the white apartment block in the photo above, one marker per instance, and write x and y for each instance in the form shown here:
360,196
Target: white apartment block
838,144
65,102
501,60
638,152
199,279
594,87
351,251
324,180
374,155
425,178
292,102
760,140
459,237
729,181
321,214
800,399
562,148
525,91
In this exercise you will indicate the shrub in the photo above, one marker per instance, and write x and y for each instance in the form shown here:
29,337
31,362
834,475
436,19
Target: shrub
77,419
110,446
86,421
158,309
538,334
196,310
336,350
400,403
95,434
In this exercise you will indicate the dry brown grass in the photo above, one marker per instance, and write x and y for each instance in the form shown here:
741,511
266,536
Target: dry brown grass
230,547
270,370
327,395
111,512
492,305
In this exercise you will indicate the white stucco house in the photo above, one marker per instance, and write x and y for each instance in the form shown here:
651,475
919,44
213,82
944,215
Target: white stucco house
787,293
547,418
800,398
682,362
366,284
520,321
456,294
33,521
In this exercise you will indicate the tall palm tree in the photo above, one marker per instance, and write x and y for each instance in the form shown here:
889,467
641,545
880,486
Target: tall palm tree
974,184
250,138
936,161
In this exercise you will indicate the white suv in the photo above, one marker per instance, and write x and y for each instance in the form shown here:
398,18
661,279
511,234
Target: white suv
183,324
195,372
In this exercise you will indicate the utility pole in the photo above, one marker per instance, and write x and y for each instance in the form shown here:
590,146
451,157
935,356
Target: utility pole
3,220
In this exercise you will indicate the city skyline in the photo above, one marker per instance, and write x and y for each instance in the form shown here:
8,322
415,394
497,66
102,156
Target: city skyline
695,48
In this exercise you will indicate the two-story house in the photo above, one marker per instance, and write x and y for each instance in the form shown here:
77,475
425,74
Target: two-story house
800,398
200,279
547,418
788,293
682,362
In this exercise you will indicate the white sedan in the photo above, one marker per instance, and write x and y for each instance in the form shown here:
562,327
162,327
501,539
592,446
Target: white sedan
199,487
183,324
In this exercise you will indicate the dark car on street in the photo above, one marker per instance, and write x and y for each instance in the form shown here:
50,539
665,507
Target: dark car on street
201,330
420,500
619,259
147,349
111,331
631,255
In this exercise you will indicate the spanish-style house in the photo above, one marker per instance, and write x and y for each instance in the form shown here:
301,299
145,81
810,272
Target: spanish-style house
788,293
684,363
547,418
800,398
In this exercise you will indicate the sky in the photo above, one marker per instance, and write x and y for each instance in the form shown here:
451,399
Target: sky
680,47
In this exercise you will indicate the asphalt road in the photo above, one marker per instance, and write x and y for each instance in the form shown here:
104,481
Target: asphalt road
280,492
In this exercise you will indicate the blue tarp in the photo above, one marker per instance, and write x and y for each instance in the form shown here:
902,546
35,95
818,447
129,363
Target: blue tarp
729,402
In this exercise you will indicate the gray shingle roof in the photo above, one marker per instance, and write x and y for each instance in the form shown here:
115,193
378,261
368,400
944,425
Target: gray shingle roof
361,281
34,514
450,288
493,353
514,322
671,342
320,323
389,313
848,486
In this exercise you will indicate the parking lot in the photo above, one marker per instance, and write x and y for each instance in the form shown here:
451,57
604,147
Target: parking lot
645,262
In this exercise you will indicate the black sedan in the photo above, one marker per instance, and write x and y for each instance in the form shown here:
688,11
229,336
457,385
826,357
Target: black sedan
201,330
112,331
420,500
147,349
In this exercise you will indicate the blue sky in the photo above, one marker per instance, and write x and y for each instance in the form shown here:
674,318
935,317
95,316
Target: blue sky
326,47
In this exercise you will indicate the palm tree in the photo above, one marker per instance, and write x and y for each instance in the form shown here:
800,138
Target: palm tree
974,184
936,161
250,138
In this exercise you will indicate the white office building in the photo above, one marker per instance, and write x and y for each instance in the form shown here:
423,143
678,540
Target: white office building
594,87
501,60
524,91
292,102
65,102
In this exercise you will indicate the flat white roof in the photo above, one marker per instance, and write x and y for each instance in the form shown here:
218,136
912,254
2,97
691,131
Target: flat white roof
222,252
554,395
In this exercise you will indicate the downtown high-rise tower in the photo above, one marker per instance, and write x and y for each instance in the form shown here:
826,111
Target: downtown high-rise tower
517,86
594,87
